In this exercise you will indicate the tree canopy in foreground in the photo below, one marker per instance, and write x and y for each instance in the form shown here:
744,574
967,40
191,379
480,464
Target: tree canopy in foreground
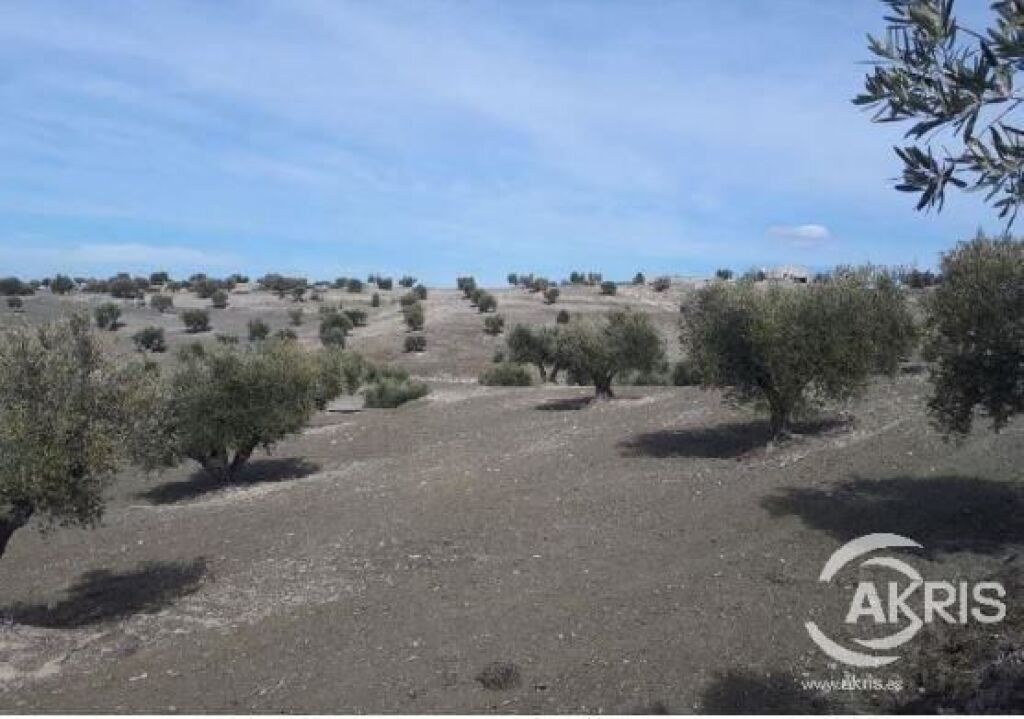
957,86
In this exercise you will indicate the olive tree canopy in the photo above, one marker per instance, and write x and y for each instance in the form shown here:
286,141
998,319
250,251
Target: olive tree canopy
958,87
787,347
67,409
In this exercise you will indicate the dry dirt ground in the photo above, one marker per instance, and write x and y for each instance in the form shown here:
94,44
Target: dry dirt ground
644,554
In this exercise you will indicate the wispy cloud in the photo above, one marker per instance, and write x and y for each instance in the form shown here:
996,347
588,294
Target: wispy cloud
802,236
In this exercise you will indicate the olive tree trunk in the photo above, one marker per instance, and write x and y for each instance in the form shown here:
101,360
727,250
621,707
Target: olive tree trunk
14,520
222,465
603,387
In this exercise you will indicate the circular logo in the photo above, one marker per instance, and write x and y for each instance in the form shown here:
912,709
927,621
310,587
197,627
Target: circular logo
841,558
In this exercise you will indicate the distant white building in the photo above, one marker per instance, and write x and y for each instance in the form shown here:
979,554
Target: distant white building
791,273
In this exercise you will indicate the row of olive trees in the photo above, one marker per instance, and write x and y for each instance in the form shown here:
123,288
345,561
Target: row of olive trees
789,348
72,412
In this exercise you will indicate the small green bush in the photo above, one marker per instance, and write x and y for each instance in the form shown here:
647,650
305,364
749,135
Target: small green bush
639,279
486,302
196,320
420,291
506,374
334,329
385,283
295,316
150,338
563,317
354,286
226,339
494,324
61,284
161,303
219,299
723,274
124,287
13,286
407,281
609,288
388,393
258,330
414,316
298,294
415,343
408,299
357,316
279,284
551,295
386,372
286,334
15,302
108,316
205,288
661,284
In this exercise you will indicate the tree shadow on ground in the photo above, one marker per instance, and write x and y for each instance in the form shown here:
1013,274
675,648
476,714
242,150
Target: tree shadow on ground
723,441
945,513
257,472
744,692
101,595
565,405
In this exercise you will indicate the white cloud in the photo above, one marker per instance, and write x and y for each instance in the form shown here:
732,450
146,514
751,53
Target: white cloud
801,235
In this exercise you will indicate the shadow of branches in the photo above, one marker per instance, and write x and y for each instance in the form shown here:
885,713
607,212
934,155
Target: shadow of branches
256,472
945,513
744,692
565,405
723,441
101,595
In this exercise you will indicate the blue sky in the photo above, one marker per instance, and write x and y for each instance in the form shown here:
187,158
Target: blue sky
441,138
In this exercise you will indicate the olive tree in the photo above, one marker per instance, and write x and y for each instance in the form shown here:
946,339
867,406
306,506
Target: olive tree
958,87
414,316
224,402
334,328
976,334
594,351
61,284
108,316
66,410
161,303
196,320
786,347
534,346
